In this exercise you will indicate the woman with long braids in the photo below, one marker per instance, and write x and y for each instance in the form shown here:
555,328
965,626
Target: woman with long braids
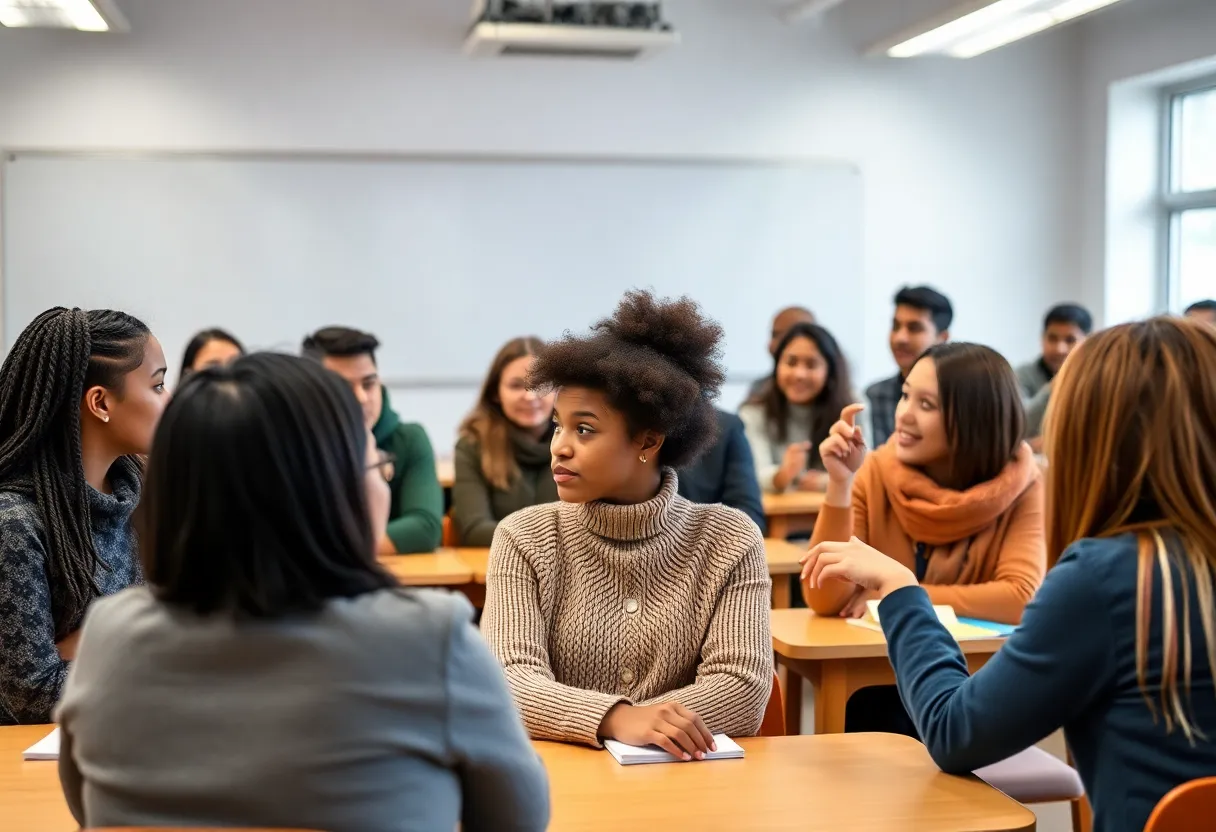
80,396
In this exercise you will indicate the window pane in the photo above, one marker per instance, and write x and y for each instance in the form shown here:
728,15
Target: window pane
1196,132
1196,255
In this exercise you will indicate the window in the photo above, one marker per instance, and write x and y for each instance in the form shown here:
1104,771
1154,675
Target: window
1189,197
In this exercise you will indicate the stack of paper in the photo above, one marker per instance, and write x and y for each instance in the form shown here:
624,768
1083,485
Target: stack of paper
632,755
945,614
46,748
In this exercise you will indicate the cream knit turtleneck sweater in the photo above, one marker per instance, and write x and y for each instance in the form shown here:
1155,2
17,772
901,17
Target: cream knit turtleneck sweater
594,604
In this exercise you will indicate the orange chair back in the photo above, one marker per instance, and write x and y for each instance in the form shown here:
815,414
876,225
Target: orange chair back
1188,807
450,538
774,713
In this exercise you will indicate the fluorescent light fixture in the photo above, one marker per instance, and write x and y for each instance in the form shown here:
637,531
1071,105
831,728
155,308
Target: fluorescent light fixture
983,25
83,15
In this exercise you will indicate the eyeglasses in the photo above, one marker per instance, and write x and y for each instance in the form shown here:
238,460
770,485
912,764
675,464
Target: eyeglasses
386,465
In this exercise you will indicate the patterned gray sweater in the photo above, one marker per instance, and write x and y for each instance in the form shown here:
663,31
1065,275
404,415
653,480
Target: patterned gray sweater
31,672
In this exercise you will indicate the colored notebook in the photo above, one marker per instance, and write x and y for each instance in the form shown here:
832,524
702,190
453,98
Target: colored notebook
46,748
962,630
632,755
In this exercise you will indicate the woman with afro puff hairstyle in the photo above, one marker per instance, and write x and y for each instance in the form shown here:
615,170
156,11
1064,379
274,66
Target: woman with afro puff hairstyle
624,611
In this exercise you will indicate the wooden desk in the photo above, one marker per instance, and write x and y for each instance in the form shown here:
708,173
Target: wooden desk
792,513
803,783
839,659
855,782
440,568
782,559
446,470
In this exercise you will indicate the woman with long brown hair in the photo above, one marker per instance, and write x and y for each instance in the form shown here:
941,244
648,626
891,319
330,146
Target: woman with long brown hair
502,457
1118,646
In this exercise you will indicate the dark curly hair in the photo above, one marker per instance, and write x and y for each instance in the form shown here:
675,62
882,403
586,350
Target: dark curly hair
657,361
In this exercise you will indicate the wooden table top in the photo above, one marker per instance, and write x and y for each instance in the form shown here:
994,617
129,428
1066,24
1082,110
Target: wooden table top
800,634
477,560
793,502
440,568
804,783
855,782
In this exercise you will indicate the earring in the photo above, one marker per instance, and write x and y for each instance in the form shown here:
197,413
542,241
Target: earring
105,419
643,458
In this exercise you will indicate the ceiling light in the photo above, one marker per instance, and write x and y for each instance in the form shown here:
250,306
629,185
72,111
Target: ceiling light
84,15
981,26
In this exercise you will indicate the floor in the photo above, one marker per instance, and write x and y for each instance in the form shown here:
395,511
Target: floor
1052,817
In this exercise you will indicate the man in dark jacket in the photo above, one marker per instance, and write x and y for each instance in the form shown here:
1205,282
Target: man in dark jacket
726,473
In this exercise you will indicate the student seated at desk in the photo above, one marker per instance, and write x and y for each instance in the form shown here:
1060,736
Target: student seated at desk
1118,646
625,611
726,473
783,321
80,394
209,348
272,673
792,414
1065,327
416,519
955,495
502,456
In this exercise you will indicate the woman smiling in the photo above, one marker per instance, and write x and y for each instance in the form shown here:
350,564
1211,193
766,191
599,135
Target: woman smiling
625,611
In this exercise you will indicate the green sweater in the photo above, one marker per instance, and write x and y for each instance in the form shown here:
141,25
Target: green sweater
416,515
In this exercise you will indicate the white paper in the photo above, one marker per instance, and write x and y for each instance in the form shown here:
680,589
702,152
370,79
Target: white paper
631,755
46,748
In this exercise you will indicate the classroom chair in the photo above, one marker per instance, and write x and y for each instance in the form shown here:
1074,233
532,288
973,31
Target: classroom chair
1035,776
1188,807
773,724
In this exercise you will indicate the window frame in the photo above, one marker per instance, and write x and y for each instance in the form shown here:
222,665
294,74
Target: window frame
1172,203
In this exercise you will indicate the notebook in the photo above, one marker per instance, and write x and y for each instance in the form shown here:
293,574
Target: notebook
46,748
632,755
945,614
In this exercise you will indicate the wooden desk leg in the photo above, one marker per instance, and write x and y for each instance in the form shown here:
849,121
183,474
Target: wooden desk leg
831,697
782,596
779,527
793,699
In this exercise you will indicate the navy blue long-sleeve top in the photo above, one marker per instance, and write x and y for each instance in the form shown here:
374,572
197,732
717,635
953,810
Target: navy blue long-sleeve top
1071,664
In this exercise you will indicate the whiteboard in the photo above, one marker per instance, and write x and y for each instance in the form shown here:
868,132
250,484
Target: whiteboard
442,258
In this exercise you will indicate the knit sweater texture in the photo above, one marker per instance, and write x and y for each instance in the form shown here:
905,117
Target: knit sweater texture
590,605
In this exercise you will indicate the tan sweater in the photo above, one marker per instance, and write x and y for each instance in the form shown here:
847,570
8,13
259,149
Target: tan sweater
594,604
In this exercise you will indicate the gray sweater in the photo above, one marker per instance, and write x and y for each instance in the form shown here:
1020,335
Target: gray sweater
382,713
31,672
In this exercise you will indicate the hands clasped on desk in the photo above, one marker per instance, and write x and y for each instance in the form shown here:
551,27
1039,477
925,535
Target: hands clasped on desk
669,725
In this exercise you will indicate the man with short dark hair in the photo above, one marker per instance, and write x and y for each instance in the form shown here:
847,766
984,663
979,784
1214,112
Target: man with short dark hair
1064,328
922,318
416,517
1202,310
783,322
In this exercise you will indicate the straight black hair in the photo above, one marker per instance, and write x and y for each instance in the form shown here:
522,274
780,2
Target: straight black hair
1201,306
62,353
255,502
928,299
837,393
202,339
982,409
339,342
1070,313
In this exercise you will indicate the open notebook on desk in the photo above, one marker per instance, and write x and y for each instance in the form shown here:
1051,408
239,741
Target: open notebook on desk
631,755
961,628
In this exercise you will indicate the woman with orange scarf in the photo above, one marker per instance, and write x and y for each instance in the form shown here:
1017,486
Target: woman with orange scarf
955,496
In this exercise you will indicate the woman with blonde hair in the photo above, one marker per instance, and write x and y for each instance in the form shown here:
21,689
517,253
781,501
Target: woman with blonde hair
1118,646
502,457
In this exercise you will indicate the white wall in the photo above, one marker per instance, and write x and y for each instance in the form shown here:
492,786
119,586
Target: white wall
1126,54
969,167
